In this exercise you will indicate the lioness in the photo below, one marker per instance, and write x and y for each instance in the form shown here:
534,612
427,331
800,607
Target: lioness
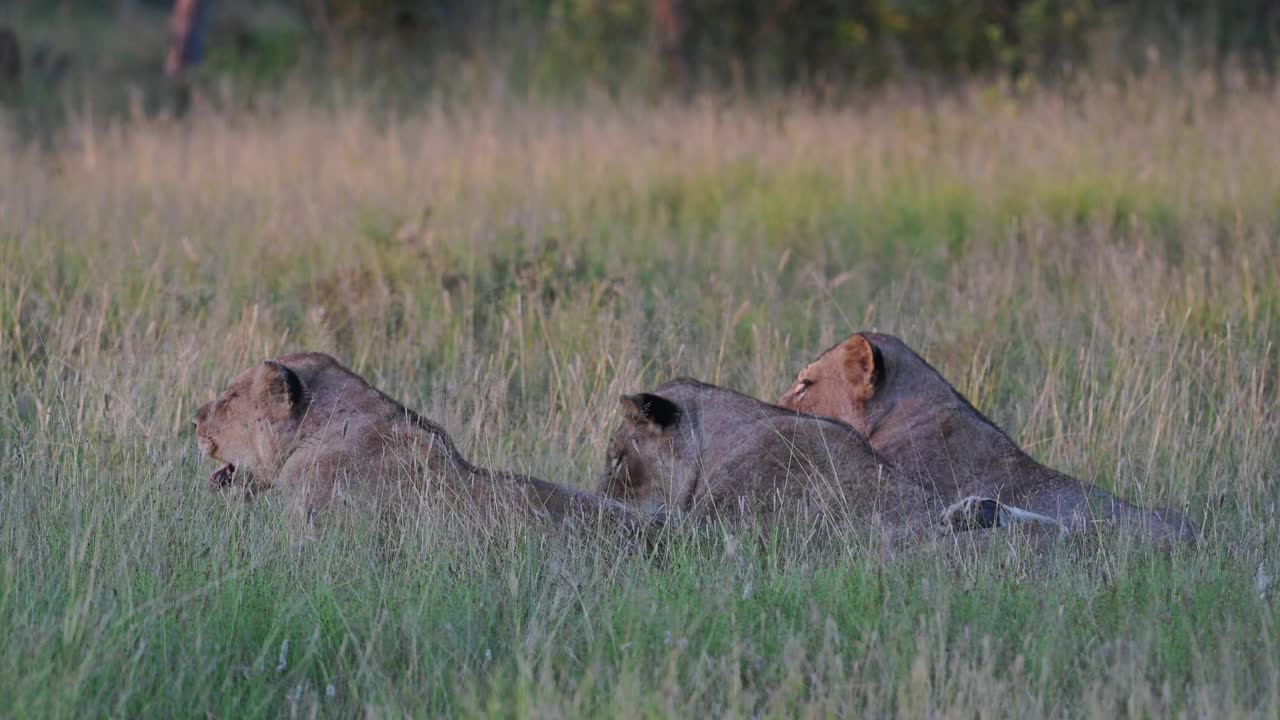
915,419
316,430
698,449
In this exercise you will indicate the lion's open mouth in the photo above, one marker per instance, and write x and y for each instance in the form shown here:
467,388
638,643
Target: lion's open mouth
222,476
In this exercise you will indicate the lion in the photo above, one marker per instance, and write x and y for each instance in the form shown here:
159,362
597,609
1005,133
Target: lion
694,449
915,419
308,426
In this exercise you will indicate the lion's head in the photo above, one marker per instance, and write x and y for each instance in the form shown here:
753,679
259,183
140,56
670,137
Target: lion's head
839,384
648,465
251,427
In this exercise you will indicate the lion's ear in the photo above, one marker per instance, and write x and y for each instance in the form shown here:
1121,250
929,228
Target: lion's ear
862,365
284,389
651,409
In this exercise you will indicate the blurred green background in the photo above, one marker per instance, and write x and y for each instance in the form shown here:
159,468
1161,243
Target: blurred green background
109,52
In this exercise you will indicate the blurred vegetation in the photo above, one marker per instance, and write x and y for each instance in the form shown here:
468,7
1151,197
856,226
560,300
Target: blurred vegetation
771,43
551,46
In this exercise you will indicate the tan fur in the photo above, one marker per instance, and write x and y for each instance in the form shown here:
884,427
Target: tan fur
314,430
722,454
916,420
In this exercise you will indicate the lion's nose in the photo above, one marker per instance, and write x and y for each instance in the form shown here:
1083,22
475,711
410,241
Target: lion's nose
202,414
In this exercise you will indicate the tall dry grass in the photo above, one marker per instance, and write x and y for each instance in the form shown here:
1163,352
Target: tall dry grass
1098,272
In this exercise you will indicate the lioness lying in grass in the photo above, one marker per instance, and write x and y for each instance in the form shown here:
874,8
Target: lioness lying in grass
916,420
697,449
330,441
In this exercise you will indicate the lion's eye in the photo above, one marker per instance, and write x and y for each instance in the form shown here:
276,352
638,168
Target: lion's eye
804,384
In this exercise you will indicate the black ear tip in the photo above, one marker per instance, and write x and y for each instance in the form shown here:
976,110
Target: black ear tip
659,409
292,383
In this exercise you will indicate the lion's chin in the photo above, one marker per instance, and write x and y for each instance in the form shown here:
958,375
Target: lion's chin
221,477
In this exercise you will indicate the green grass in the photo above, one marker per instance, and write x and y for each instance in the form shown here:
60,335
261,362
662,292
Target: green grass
1100,274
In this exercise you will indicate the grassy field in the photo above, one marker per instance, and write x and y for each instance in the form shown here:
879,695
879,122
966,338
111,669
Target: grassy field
1098,271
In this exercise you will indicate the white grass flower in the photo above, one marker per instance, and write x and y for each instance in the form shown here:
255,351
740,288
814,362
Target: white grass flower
1262,581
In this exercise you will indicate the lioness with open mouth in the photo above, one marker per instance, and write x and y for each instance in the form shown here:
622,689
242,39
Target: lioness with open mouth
916,420
317,431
